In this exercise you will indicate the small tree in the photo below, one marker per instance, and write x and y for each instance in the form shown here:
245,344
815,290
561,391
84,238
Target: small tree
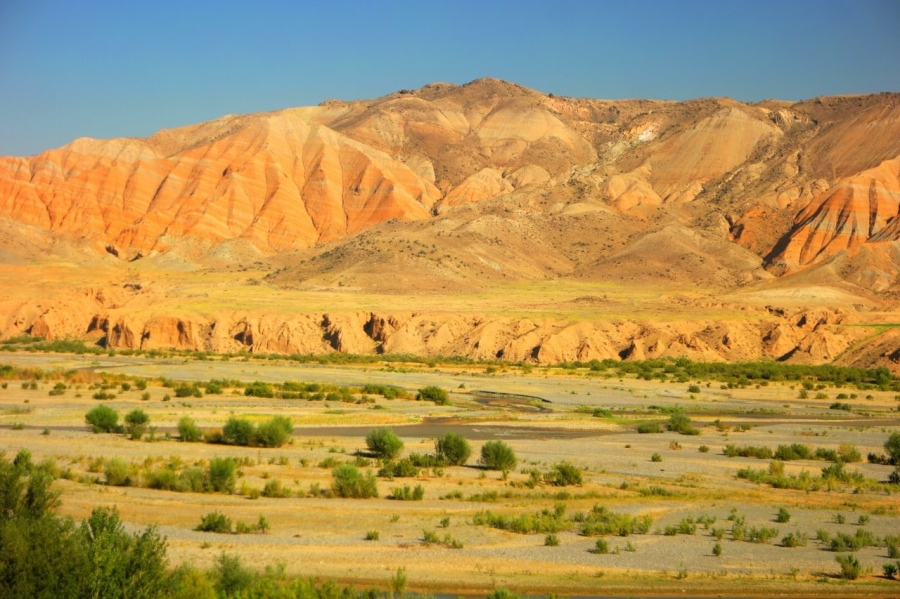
850,566
238,431
432,393
188,431
103,419
276,432
497,455
452,448
221,475
384,443
136,422
348,481
892,447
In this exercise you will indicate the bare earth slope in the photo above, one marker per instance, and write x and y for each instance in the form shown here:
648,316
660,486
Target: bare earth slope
466,189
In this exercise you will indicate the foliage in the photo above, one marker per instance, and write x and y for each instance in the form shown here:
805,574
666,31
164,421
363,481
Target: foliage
649,427
214,522
188,431
221,475
348,481
545,521
45,556
452,448
892,447
404,468
238,431
433,393
404,493
783,516
601,521
136,422
564,474
384,443
275,432
259,389
497,455
117,473
102,419
850,566
680,423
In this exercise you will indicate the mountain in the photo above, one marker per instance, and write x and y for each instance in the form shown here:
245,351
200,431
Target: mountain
451,189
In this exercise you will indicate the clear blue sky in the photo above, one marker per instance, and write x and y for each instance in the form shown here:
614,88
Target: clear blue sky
102,68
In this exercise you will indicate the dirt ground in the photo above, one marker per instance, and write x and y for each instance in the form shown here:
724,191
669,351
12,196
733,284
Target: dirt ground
315,535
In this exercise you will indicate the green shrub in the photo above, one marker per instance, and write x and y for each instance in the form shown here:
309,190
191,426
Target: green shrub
564,474
693,388
274,488
348,481
601,546
892,447
656,457
601,521
384,443
404,493
214,522
432,393
238,431
188,431
221,475
117,473
404,468
184,390
783,515
795,539
890,570
649,427
551,540
259,389
794,451
497,455
452,448
717,549
103,419
546,521
850,566
680,423
136,422
372,535
275,432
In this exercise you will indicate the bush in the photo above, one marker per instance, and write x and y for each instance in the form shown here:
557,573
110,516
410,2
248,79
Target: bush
656,457
452,448
221,475
850,566
372,535
188,431
404,493
694,389
102,419
348,481
432,393
117,473
404,468
795,539
680,423
384,443
238,431
497,455
259,389
185,390
601,521
783,516
551,540
601,546
564,474
136,422
649,427
214,522
892,447
275,432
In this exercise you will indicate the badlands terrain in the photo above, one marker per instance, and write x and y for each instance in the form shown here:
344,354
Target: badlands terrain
485,220
572,272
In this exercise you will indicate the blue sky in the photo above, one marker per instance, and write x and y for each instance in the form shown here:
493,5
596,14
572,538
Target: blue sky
102,69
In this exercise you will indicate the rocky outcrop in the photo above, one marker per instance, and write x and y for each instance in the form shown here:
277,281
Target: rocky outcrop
857,210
